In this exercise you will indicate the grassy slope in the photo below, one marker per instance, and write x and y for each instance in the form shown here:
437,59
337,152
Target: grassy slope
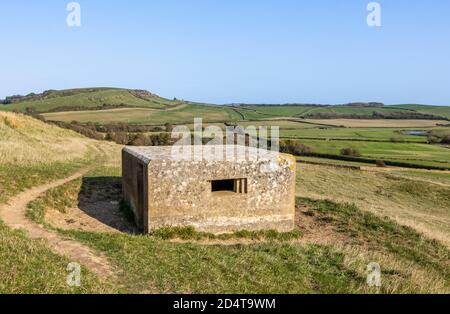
32,153
161,263
94,97
436,110
368,134
180,260
421,204
90,98
184,114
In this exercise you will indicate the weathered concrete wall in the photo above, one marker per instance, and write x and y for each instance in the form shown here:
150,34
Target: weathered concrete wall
130,177
179,193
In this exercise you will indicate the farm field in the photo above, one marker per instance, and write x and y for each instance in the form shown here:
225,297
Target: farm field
186,114
327,161
368,134
436,110
258,112
282,124
405,152
380,123
261,112
436,177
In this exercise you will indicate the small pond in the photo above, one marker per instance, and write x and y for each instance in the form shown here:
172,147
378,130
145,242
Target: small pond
414,132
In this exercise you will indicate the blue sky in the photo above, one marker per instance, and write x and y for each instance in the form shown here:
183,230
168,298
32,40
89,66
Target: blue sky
224,51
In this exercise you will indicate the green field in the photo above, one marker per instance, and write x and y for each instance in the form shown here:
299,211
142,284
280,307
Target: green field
368,134
90,99
184,114
435,110
421,154
261,112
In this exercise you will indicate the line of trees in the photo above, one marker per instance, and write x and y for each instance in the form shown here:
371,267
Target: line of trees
375,115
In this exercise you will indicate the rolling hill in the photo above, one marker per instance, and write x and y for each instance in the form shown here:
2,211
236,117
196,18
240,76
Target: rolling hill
88,99
107,105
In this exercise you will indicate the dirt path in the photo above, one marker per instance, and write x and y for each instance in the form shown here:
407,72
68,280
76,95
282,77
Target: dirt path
13,215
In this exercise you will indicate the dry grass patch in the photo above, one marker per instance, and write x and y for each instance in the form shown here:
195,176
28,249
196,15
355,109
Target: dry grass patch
421,205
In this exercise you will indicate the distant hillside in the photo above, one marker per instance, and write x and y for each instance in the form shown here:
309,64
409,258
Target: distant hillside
86,99
112,105
426,109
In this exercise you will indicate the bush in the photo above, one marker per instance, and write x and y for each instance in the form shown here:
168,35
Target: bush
169,127
397,140
119,137
445,139
142,140
294,147
350,152
82,129
433,139
380,163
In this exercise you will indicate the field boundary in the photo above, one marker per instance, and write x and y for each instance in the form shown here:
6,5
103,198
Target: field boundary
373,161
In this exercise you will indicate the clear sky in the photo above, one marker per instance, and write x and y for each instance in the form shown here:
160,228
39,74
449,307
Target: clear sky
224,51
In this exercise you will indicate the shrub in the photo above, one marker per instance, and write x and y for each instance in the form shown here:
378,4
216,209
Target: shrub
433,139
380,163
397,140
142,140
350,152
169,127
119,137
445,139
294,147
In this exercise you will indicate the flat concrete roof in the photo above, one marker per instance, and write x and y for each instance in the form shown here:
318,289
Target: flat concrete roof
199,153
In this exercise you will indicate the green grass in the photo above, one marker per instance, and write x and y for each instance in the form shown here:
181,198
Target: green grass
273,111
154,264
185,114
361,134
90,99
439,177
421,154
14,179
443,111
30,267
95,97
414,202
385,234
332,161
282,124
172,260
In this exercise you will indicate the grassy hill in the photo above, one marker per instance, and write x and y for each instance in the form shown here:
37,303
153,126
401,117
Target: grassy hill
426,109
33,153
106,105
89,98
